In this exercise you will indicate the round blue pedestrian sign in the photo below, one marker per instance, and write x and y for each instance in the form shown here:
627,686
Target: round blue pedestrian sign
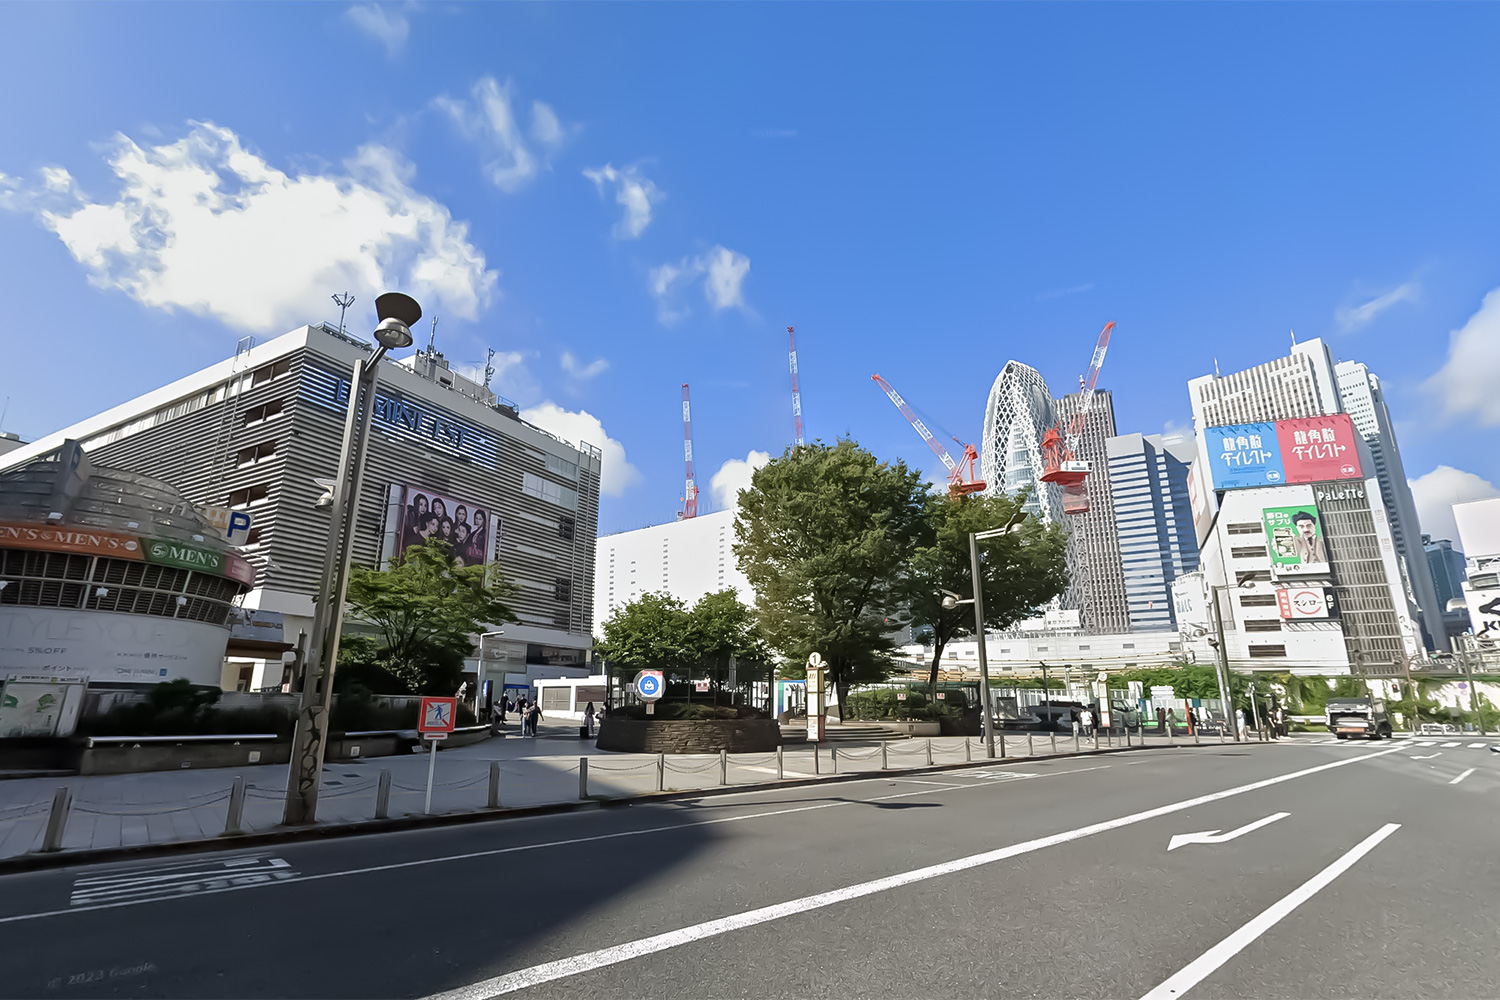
650,684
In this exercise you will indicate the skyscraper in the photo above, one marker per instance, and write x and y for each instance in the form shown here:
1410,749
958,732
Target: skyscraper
1154,522
1098,585
1448,568
1018,412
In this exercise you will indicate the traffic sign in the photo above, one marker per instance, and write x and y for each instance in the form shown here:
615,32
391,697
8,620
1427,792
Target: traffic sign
650,685
815,660
438,715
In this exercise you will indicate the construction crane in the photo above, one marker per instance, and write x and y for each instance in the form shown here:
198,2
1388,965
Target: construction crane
791,342
690,492
960,474
1060,446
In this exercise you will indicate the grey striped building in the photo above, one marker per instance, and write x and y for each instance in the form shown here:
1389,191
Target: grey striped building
253,432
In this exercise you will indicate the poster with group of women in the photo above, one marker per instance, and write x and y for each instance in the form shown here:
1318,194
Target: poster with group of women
465,526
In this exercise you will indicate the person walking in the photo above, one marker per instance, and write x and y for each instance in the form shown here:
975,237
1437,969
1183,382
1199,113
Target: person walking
1088,724
588,719
1171,721
533,716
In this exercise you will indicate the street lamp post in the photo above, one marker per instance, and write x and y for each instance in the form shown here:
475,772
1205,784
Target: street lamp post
397,314
1221,665
952,601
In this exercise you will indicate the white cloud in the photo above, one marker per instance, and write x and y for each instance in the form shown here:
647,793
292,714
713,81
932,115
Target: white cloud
1437,492
572,367
722,270
382,22
490,122
512,377
733,476
633,192
1465,385
205,225
618,475
1174,433
1350,318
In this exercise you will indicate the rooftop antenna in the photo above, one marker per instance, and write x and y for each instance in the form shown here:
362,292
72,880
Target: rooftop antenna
343,302
3,411
1294,337
1216,368
432,337
489,369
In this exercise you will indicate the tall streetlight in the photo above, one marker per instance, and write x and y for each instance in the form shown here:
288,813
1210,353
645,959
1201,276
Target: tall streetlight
398,313
1221,664
952,601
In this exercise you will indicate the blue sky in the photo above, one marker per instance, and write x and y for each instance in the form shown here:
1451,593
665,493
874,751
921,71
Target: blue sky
620,198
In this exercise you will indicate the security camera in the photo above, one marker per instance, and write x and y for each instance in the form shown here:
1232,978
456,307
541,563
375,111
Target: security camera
326,485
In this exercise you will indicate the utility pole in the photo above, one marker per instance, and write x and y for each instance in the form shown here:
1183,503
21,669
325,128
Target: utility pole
1221,663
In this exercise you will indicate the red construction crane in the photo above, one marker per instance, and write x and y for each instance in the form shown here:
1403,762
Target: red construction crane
791,342
1059,445
690,493
960,474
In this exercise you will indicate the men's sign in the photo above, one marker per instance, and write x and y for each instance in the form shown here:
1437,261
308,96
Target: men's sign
68,538
169,553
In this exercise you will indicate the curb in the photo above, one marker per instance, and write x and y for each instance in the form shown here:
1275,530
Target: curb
69,859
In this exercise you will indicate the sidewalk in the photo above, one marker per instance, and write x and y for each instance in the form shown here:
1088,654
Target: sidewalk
125,810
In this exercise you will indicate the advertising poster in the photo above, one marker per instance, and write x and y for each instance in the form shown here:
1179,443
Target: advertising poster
1243,455
1318,449
1307,603
1294,537
463,524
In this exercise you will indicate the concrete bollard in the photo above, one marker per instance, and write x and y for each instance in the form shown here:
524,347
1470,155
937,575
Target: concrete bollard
494,800
1075,741
780,769
1096,737
1196,740
583,778
234,819
834,753
1052,735
1002,745
661,771
1030,748
816,763
885,761
723,767
383,795
57,820
968,751
929,753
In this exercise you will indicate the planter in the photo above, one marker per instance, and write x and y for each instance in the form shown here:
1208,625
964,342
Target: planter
927,728
689,736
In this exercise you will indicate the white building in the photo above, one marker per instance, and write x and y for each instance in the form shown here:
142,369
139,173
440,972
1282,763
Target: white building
1063,653
1479,536
686,559
1017,414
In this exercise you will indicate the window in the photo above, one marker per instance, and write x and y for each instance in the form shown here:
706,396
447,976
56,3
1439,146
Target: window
1262,624
249,495
1041,649
1265,652
255,453
1244,528
562,467
542,489
1258,600
562,589
264,411
267,372
1248,552
1127,645
565,528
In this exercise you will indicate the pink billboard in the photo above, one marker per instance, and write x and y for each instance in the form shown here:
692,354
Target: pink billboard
1318,449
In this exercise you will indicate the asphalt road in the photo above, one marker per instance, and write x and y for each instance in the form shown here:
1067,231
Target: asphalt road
1375,878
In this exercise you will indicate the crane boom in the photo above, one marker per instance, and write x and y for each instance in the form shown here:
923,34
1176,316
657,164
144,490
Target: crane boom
1086,387
916,422
791,341
690,492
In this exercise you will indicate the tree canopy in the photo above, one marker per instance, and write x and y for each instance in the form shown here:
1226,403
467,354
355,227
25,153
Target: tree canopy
659,631
824,536
1020,571
426,606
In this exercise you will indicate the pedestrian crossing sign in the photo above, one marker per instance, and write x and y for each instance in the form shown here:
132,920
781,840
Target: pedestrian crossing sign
438,715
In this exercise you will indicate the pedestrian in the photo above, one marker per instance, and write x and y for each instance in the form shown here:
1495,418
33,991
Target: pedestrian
1239,723
1088,723
1172,720
588,719
533,716
1073,715
1161,720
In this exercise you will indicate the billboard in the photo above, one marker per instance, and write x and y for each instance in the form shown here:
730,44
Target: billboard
1244,455
1484,612
1271,453
72,538
1302,604
1294,537
464,524
1318,449
98,646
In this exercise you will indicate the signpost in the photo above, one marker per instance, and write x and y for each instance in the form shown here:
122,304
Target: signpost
650,685
438,718
817,700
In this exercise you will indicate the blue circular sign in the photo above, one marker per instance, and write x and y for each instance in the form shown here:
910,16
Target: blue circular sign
649,685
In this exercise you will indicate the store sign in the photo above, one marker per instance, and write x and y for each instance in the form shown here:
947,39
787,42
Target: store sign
169,553
61,538
239,569
104,647
234,525
1318,449
1307,603
1244,455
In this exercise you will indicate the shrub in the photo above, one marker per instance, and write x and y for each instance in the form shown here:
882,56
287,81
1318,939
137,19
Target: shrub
883,703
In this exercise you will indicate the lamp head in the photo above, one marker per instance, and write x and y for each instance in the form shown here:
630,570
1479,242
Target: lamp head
397,312
949,603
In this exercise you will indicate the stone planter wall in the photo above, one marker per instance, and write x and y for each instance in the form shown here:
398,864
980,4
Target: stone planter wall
684,736
930,728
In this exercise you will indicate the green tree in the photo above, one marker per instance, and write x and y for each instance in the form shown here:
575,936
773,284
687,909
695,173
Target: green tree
426,607
721,626
1020,570
650,631
825,534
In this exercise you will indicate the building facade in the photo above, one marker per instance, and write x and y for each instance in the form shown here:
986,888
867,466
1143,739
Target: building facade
685,559
1148,478
1018,412
1448,569
253,434
1097,588
1479,534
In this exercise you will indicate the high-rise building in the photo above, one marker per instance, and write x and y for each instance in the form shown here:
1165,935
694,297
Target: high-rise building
1148,477
1307,383
1018,413
1098,585
686,559
1448,570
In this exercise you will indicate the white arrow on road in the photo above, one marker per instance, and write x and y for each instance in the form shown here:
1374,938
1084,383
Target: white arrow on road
1426,756
1215,837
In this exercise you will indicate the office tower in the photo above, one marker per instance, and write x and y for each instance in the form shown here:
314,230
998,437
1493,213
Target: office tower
1098,585
1148,478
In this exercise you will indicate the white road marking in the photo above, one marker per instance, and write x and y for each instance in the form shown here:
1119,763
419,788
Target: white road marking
917,781
1427,756
19,917
1204,965
588,961
1215,837
1476,746
786,772
1427,743
1450,745
1461,777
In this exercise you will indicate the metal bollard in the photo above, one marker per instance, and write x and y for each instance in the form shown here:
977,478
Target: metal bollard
780,772
1096,737
816,762
1075,741
834,753
885,761
57,820
236,814
1052,736
968,751
383,795
723,767
929,753
494,801
1171,735
661,770
1030,749
1196,740
583,778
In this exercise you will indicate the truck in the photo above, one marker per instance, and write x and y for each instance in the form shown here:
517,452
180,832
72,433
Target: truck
1358,717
